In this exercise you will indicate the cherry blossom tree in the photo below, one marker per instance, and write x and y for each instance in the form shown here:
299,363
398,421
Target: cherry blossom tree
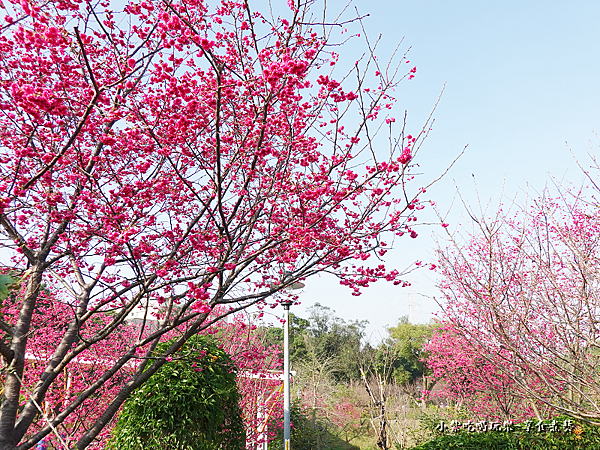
259,380
521,300
474,381
48,324
161,158
252,357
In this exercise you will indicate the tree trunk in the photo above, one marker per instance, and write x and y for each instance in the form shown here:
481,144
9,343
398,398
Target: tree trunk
14,372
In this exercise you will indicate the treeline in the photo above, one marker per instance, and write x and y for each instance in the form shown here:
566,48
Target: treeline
348,393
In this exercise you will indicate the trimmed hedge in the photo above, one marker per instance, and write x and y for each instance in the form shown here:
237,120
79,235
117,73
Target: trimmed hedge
191,403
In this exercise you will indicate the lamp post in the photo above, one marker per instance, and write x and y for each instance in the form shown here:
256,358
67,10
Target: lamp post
286,375
286,368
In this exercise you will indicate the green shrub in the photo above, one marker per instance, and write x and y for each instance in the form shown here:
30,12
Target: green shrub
191,403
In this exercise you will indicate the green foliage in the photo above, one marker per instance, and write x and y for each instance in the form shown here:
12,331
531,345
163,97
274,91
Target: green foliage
409,340
191,403
298,327
5,282
323,336
581,436
332,337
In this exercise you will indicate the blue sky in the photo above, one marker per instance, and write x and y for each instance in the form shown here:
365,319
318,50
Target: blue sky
522,81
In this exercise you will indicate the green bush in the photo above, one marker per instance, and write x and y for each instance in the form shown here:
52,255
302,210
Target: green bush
191,403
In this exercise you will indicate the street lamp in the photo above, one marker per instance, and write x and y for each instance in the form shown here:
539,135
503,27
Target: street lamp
286,367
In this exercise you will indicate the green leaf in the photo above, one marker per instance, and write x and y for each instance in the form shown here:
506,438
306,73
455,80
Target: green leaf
5,282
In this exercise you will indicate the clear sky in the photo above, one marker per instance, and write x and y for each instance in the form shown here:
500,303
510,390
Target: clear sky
522,81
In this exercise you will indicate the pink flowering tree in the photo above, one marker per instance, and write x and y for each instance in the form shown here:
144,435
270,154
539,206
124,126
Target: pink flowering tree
238,338
259,375
172,156
473,380
520,304
48,324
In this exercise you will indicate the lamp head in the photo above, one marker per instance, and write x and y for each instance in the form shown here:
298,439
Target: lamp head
296,285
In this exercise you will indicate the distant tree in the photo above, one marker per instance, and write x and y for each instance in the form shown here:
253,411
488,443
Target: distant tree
333,338
323,351
324,337
411,340
298,327
397,362
377,365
